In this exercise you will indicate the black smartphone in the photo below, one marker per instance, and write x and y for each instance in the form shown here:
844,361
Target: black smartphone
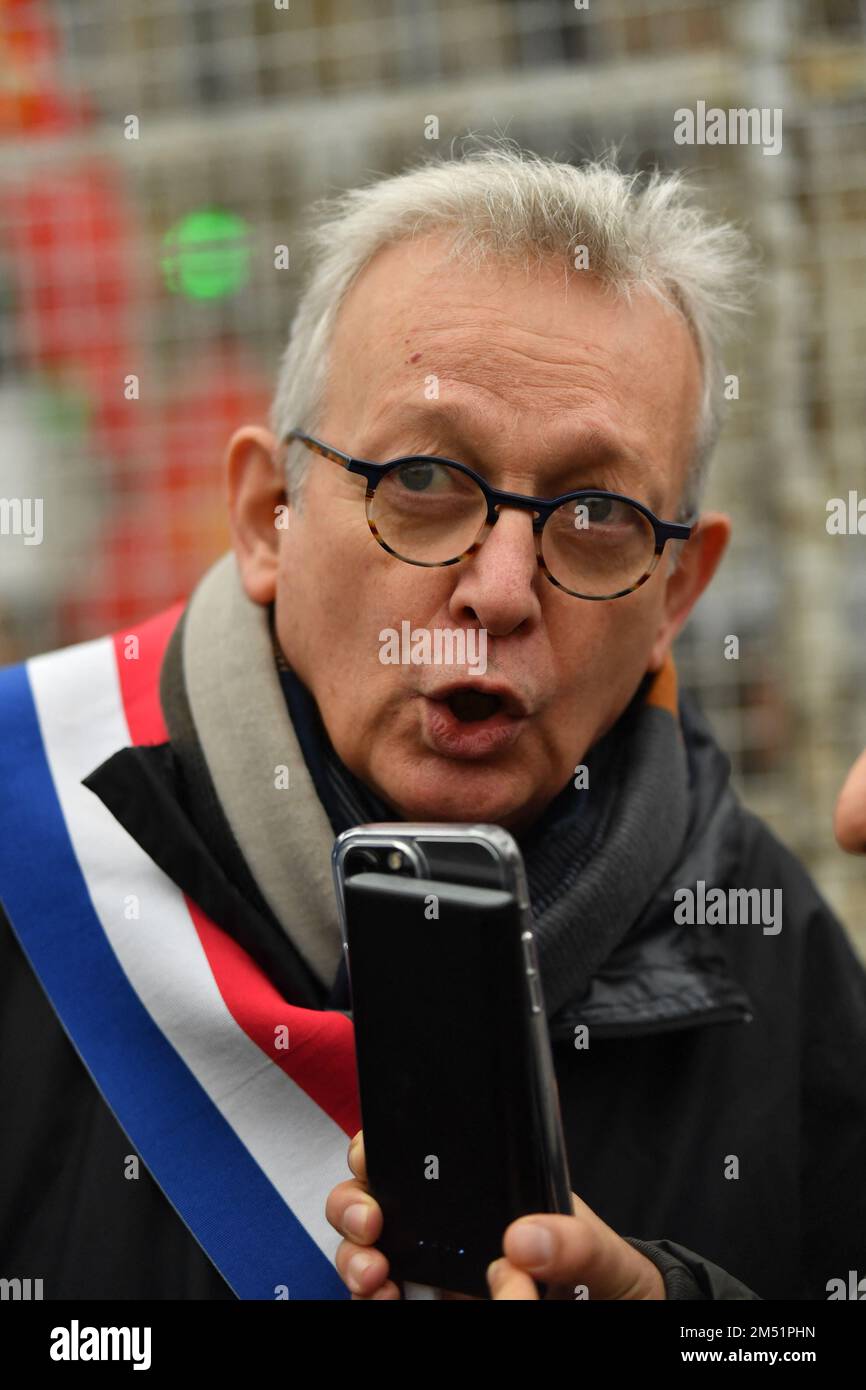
458,1095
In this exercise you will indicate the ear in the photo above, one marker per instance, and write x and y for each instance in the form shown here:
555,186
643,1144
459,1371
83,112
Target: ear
256,491
698,562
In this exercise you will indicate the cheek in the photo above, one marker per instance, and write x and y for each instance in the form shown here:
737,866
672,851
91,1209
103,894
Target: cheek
309,593
321,570
333,601
602,658
605,637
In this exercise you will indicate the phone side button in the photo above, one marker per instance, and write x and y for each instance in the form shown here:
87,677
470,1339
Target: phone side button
534,991
528,952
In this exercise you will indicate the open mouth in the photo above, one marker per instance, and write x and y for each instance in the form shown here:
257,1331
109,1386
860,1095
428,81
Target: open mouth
471,705
471,722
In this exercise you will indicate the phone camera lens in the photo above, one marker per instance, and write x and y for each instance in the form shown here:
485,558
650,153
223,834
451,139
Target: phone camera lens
361,860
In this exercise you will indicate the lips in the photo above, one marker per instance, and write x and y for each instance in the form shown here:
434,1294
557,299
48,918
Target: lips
472,720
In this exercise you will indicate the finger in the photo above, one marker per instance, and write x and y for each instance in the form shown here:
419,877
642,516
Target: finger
363,1270
357,1157
581,1249
390,1290
353,1212
506,1281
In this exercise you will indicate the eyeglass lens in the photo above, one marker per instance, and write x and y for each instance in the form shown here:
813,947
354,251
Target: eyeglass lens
430,513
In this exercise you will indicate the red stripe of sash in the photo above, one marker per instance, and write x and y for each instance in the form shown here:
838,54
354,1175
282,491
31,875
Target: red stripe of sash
320,1056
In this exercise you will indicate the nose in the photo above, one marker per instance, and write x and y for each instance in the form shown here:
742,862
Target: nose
500,582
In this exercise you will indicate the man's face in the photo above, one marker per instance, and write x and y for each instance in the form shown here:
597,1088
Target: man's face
543,388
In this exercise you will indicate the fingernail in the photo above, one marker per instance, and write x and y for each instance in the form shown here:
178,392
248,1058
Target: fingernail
494,1270
355,1270
531,1244
355,1219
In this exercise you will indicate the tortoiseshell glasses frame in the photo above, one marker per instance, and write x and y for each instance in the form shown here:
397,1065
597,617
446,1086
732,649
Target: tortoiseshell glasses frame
541,507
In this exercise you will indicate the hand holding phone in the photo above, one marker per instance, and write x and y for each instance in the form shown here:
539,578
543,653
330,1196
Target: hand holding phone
589,1260
458,1094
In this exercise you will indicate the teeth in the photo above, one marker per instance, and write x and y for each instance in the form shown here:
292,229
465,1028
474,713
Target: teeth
469,705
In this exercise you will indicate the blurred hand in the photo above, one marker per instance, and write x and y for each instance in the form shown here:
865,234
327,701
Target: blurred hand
849,822
581,1249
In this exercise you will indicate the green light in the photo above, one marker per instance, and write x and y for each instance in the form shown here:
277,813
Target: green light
207,254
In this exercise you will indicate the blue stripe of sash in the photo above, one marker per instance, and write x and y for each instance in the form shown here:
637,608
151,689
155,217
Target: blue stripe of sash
208,1175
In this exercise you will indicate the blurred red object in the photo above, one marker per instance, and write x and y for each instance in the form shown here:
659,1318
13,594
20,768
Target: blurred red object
173,520
68,235
73,249
31,98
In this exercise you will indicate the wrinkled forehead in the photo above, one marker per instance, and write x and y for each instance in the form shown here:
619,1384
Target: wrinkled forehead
503,350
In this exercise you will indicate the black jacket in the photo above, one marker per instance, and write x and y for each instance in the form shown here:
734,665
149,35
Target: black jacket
720,1107
715,1044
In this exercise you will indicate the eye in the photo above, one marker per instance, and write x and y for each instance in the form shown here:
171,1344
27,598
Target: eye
598,509
422,476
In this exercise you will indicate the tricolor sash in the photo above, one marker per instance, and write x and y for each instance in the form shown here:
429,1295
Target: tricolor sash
238,1103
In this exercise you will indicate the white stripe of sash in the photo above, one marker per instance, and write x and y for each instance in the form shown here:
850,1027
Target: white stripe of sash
297,1145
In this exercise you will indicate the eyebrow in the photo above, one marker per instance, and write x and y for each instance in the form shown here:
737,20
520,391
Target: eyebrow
600,449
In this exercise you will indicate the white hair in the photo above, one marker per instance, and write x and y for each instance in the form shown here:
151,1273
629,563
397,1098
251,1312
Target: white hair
513,204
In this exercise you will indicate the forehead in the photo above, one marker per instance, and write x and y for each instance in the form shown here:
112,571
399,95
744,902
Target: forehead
536,352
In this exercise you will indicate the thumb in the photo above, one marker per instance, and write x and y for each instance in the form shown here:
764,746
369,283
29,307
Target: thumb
582,1249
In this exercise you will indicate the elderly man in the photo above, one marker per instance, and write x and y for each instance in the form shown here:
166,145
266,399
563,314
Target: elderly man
478,337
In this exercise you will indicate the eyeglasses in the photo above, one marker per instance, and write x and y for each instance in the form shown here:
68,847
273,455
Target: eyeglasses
432,511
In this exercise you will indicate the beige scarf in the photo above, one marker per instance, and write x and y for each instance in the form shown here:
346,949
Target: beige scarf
247,736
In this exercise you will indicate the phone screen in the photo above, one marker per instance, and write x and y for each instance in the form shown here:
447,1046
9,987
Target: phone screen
447,1081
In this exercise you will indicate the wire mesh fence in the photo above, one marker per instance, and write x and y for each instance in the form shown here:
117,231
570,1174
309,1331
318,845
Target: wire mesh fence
155,155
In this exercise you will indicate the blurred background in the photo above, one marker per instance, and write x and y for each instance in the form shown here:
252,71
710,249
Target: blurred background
156,152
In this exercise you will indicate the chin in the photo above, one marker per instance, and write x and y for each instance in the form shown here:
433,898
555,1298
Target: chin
467,795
